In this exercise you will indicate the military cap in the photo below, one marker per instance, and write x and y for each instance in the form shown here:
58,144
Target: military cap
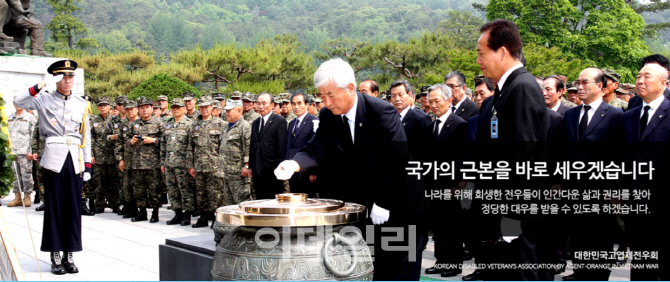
130,104
571,86
103,100
232,104
188,96
156,105
610,73
318,100
424,90
162,98
479,77
248,96
205,100
113,105
218,96
178,102
236,94
622,91
64,67
121,100
141,101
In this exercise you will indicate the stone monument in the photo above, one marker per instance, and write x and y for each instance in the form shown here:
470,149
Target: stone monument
17,25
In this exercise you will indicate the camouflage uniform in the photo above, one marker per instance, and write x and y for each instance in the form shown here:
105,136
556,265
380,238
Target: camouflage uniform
205,143
193,116
251,116
37,143
116,123
176,156
618,103
20,132
233,154
289,117
124,152
146,162
568,103
104,183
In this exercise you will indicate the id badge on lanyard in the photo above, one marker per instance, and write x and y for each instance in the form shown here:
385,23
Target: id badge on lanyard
494,125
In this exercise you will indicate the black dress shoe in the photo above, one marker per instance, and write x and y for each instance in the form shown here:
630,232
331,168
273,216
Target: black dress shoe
178,216
40,208
475,276
68,263
570,277
85,210
433,270
196,213
100,210
186,219
116,210
141,216
451,272
202,222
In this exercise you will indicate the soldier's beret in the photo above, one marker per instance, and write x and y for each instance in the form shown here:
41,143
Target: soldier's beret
103,100
205,100
611,74
64,67
141,101
188,96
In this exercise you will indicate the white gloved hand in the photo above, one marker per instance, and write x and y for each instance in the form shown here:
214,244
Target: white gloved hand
51,80
467,203
379,215
285,169
87,176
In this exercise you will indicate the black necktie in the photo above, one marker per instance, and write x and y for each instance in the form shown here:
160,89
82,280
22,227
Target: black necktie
585,121
436,131
345,121
262,125
453,109
644,120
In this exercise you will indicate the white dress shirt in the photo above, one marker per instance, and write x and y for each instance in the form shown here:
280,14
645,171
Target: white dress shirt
264,122
653,107
351,115
458,105
558,105
501,83
404,112
443,120
592,111
299,120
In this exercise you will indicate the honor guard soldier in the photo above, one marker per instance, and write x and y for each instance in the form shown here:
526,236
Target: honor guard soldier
146,132
248,107
234,156
205,142
21,125
124,155
189,102
104,181
66,161
163,104
175,157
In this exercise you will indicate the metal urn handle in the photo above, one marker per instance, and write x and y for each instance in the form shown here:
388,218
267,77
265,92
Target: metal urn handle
326,260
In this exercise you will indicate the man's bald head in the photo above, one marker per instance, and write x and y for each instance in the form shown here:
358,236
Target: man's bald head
650,82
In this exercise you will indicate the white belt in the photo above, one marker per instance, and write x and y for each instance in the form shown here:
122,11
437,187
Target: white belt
63,140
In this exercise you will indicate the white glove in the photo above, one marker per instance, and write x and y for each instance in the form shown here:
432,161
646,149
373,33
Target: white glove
467,203
286,169
379,215
51,80
87,176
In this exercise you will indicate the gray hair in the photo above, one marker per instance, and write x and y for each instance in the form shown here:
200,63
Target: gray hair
460,75
337,71
446,90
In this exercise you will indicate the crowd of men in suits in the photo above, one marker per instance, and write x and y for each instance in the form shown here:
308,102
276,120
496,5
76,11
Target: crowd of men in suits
357,148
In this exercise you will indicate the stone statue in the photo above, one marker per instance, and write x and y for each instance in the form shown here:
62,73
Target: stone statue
17,25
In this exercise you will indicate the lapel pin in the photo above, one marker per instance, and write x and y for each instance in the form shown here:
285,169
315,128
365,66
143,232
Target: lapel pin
660,116
360,124
602,115
403,124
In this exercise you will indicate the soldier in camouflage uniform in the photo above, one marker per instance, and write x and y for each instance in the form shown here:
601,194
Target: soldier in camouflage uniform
175,157
608,93
205,142
189,102
21,125
236,95
104,179
319,104
234,156
220,98
311,106
115,123
163,104
123,153
37,143
147,132
286,110
248,107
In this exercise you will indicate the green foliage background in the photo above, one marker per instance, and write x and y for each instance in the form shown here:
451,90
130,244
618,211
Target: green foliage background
6,159
162,84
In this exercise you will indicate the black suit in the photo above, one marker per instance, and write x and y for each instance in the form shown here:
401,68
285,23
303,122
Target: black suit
268,149
296,140
636,101
562,108
414,122
591,232
522,130
370,171
467,109
646,231
447,146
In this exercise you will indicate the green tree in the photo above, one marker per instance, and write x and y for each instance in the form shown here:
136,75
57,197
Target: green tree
66,28
162,84
463,27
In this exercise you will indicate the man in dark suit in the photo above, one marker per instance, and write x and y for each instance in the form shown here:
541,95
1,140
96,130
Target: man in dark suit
300,131
413,121
513,128
444,138
268,148
647,132
462,106
553,90
657,59
361,150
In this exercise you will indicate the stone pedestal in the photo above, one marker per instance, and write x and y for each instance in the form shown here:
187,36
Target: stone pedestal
187,258
18,73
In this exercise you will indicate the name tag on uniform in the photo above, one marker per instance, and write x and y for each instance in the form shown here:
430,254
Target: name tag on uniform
494,127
